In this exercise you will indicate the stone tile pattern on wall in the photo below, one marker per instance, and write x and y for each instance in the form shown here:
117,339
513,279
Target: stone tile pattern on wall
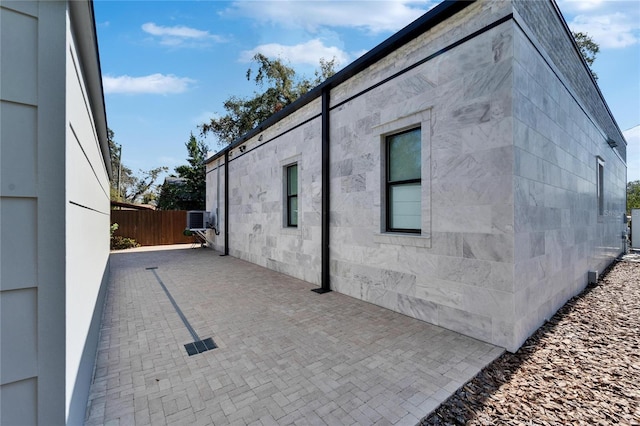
558,234
463,281
257,231
510,225
550,35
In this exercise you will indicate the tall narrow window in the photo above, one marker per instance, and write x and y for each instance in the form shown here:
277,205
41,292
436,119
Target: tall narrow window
292,195
600,185
404,181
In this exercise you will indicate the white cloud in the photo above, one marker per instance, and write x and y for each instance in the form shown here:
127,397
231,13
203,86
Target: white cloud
613,24
160,84
633,153
177,31
179,34
581,4
616,30
371,16
305,53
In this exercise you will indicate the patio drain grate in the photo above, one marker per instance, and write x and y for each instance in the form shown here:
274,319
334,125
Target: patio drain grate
199,345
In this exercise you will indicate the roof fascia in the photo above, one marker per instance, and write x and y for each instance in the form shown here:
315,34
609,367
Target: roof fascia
83,25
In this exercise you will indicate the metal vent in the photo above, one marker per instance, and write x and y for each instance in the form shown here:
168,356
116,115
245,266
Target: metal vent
200,346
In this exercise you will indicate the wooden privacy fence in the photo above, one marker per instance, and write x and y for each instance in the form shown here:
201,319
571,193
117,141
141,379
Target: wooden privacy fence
152,228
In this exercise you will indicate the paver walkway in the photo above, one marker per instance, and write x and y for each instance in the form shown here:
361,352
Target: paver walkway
286,355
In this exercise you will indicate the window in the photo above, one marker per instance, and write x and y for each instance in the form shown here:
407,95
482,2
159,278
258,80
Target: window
404,182
599,185
292,195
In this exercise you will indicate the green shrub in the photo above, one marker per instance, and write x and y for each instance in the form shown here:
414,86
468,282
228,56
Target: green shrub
121,243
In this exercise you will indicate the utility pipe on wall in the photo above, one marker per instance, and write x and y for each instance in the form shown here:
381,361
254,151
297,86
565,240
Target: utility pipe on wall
326,161
226,203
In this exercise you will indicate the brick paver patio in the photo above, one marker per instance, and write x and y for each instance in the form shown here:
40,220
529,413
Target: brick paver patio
285,355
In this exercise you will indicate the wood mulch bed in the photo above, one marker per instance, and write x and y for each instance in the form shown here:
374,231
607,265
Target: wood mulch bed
581,367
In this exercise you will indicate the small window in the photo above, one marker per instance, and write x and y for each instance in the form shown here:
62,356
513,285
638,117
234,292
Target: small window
292,195
600,186
404,182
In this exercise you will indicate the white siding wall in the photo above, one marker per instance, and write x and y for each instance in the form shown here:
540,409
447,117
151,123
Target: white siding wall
32,85
87,231
53,252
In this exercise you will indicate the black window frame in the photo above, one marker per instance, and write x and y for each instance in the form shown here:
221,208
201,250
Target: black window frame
600,186
389,184
289,195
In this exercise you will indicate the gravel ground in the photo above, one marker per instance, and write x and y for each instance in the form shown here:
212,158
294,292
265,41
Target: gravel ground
581,367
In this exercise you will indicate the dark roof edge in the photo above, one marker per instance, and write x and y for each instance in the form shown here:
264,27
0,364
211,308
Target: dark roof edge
83,23
439,13
131,206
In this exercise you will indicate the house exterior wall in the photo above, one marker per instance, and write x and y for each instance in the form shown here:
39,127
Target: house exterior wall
560,130
458,273
257,230
541,23
43,335
465,82
32,212
87,223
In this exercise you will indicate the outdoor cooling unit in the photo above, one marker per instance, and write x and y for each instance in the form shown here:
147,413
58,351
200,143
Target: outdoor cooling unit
198,219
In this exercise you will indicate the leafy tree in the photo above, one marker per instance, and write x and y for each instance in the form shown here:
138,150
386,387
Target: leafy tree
633,195
144,188
187,192
281,88
121,176
588,48
125,186
173,194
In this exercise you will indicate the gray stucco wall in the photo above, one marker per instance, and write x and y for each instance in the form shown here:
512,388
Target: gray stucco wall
480,94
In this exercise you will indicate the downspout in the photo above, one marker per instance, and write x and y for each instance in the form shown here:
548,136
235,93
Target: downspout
217,229
326,161
226,203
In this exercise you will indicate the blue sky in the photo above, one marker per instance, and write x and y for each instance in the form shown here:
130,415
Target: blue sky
169,65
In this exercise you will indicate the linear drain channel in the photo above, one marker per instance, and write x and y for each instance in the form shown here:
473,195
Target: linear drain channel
198,346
